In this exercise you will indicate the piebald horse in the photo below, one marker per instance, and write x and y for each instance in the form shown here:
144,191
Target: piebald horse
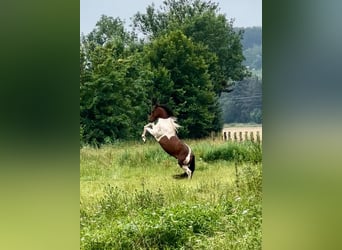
162,125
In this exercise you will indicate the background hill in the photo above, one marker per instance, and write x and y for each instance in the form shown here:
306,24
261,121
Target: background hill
244,103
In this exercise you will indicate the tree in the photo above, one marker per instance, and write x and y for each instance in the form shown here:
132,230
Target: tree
181,79
200,21
112,87
107,29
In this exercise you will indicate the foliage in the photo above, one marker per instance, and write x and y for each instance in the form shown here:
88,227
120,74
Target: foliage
191,55
200,21
171,14
112,88
127,206
184,82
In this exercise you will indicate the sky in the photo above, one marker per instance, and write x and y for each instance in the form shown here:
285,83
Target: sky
246,13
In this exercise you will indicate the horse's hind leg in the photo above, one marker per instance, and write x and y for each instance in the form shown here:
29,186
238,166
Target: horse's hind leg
187,171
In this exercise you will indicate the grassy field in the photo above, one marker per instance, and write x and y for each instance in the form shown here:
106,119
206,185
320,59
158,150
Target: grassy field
129,199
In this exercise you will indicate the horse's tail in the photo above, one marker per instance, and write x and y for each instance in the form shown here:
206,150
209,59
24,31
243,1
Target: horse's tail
192,165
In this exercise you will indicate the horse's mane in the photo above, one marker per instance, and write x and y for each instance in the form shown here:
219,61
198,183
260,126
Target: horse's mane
167,109
175,124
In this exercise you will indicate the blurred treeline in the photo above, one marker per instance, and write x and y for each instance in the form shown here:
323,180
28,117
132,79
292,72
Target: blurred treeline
244,104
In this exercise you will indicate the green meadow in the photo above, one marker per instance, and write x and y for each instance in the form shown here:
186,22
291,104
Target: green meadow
129,200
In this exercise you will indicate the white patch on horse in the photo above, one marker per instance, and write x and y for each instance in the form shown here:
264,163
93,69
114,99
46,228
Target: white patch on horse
187,159
187,171
164,127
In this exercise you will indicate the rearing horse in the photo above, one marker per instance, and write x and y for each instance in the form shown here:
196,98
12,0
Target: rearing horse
165,132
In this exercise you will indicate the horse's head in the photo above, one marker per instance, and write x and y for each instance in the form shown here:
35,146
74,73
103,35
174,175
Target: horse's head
159,111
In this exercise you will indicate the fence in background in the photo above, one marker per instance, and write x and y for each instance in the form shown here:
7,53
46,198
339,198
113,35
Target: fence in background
252,133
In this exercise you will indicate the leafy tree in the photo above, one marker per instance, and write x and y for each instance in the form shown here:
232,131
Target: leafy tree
108,29
181,79
169,16
112,88
200,21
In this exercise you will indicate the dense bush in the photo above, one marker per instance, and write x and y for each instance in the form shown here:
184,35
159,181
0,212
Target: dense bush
240,152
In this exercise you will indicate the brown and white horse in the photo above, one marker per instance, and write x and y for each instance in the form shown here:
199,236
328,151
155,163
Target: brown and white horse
165,132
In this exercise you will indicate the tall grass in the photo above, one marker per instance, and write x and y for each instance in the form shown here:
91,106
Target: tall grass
240,152
130,201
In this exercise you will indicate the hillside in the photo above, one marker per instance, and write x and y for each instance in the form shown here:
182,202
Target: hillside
252,49
244,103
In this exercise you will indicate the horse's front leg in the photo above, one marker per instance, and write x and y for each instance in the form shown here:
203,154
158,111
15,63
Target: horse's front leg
146,128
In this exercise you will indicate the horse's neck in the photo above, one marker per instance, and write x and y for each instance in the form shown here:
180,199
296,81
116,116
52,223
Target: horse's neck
163,116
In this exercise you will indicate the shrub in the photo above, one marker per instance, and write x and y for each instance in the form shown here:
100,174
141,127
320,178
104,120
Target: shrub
241,152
